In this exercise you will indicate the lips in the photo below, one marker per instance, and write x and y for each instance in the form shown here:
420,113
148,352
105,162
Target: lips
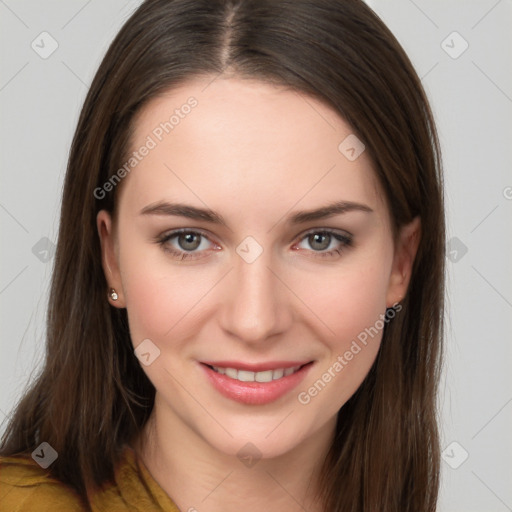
255,384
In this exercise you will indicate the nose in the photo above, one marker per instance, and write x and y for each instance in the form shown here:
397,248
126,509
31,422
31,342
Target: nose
256,305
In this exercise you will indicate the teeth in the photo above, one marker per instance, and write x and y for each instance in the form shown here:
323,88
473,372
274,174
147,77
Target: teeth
231,372
245,376
264,376
277,374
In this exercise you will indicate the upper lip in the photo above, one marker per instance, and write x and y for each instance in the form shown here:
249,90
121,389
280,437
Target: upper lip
256,367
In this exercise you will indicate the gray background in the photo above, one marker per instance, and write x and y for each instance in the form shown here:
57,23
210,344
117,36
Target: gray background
471,94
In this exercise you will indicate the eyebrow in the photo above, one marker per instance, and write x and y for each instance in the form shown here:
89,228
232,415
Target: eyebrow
205,214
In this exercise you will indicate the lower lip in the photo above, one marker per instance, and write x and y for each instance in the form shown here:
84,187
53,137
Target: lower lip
255,393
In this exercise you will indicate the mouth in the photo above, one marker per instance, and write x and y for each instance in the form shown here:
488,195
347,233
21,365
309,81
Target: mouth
255,384
257,376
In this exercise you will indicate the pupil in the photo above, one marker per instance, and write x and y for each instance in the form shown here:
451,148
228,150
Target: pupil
189,242
317,239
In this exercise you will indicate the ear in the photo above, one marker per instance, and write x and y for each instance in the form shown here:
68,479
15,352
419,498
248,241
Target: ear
408,240
109,259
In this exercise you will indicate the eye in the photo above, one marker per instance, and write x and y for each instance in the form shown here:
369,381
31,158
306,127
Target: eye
327,242
184,244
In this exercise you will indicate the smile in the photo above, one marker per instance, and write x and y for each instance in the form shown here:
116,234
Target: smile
264,376
255,384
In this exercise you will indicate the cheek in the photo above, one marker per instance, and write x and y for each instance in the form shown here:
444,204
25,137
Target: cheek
352,305
346,301
161,299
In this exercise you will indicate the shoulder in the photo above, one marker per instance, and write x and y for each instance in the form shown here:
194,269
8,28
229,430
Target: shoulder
25,486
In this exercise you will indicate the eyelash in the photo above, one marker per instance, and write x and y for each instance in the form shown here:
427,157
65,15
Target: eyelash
346,240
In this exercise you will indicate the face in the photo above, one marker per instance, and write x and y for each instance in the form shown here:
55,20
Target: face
255,314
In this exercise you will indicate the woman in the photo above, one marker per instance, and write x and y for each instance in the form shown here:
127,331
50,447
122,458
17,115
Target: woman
247,299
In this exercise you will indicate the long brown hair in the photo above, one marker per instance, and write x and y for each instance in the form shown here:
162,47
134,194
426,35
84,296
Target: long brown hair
92,396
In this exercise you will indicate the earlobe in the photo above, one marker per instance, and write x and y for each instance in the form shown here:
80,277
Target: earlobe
114,292
405,252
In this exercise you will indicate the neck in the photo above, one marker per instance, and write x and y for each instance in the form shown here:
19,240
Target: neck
198,477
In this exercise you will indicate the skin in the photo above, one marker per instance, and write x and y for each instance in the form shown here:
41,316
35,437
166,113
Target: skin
256,154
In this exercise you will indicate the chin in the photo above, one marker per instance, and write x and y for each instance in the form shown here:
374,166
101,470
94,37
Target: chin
268,439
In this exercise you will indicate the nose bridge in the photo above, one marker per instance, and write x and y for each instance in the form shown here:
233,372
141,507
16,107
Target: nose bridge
255,307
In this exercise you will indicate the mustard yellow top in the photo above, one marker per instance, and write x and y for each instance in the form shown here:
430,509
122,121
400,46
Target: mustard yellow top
26,486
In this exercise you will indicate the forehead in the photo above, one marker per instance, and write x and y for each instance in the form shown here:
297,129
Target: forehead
236,138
